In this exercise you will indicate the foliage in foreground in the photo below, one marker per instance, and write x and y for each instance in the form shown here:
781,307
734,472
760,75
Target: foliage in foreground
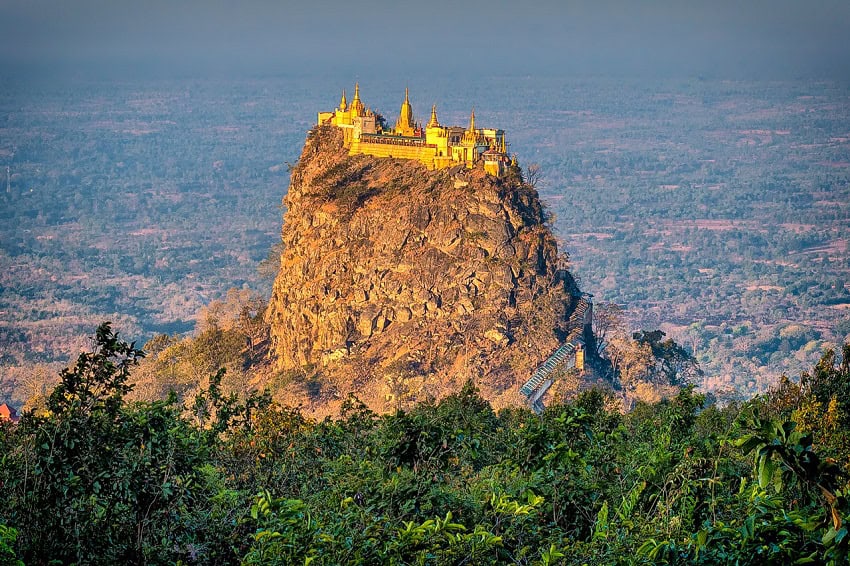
96,479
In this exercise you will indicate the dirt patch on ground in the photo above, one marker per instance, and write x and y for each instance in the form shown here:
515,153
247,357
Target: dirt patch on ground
835,247
798,228
597,235
147,232
711,224
763,288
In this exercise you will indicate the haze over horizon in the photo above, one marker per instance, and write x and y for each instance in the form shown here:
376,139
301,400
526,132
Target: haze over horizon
725,39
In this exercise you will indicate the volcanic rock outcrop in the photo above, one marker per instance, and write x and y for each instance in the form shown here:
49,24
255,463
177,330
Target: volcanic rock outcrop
400,284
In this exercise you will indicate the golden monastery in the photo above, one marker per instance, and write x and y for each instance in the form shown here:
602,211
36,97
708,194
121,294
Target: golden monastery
435,145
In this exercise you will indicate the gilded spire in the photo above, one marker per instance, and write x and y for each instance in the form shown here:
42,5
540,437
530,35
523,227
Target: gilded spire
405,124
433,123
343,103
357,107
470,136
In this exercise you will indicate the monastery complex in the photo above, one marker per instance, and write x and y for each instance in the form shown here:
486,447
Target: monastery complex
436,146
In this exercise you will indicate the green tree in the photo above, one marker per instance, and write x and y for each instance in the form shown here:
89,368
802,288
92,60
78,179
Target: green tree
673,364
96,481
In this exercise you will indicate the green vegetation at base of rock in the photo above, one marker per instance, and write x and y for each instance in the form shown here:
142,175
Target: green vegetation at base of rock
97,479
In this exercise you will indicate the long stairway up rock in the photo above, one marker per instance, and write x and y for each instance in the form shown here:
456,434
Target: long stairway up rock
543,372
562,358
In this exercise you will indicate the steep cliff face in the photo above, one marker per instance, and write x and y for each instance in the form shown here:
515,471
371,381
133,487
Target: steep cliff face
400,283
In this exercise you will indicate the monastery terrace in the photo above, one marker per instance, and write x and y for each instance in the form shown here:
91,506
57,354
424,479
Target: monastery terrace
436,146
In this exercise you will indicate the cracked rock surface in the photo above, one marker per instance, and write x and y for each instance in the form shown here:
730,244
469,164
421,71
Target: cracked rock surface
390,271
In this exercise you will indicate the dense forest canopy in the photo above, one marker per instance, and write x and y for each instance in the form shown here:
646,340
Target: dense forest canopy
94,478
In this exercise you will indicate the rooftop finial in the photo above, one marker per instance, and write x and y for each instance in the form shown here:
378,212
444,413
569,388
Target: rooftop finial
433,123
405,125
357,108
470,136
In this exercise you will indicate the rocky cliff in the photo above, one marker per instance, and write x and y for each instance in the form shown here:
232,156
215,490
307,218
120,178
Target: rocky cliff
400,283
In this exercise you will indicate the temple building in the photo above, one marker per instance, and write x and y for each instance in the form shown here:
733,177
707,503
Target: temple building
436,146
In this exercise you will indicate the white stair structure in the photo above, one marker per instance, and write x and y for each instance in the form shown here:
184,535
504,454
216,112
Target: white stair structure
568,355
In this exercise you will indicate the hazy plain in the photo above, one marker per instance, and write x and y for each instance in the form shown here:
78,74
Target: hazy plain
716,210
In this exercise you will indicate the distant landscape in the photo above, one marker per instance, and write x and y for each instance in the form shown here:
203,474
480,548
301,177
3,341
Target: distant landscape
717,211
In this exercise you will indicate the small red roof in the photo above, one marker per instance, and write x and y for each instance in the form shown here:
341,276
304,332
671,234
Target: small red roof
7,413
